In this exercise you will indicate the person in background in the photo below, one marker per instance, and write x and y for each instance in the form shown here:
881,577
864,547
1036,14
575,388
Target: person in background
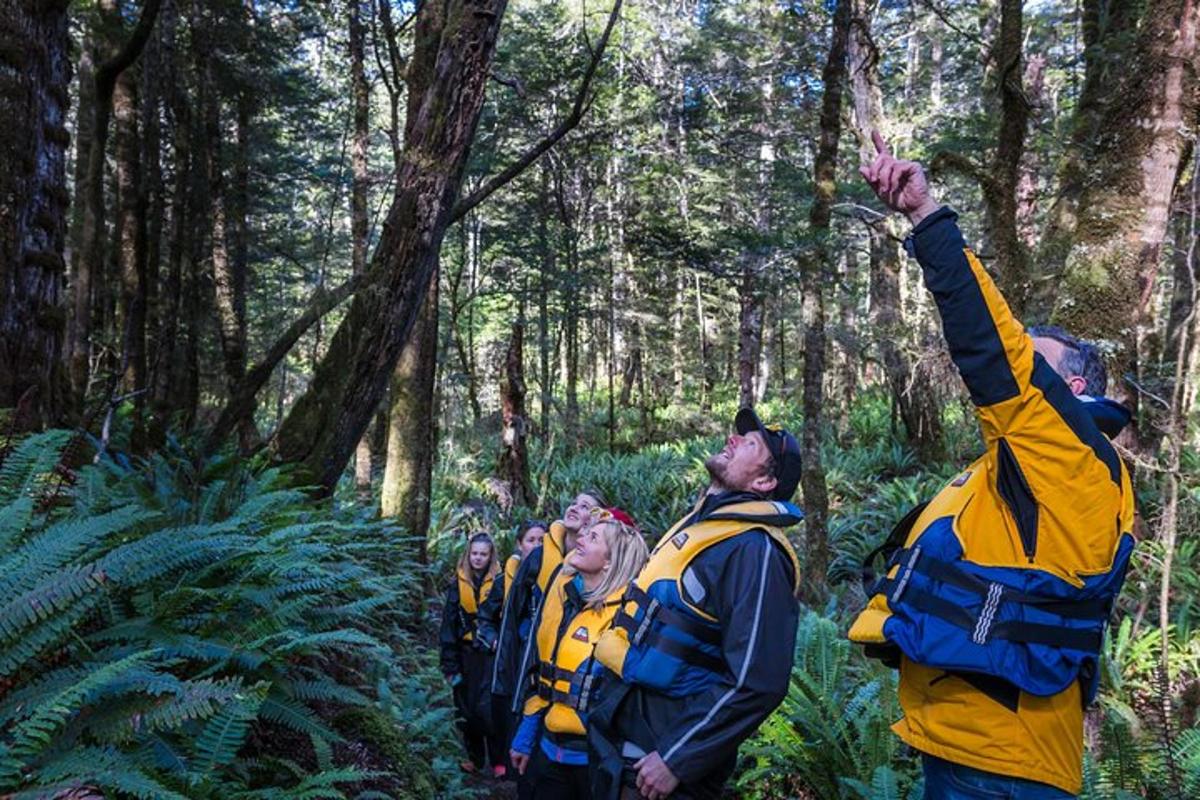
465,664
529,538
580,605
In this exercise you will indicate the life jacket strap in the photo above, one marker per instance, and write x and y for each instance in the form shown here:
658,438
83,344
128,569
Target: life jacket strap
655,612
580,693
910,561
983,628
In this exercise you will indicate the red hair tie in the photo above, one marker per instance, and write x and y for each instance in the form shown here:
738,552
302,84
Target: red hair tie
622,516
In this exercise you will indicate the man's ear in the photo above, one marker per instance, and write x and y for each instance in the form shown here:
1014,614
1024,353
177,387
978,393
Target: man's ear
764,484
1077,384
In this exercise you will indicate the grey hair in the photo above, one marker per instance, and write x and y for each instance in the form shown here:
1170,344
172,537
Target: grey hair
1081,358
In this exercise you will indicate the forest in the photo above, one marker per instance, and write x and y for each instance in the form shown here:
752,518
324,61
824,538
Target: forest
296,296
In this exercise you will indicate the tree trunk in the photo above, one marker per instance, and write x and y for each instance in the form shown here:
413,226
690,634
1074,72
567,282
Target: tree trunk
167,374
154,202
514,457
1108,37
34,199
131,237
229,307
91,260
912,397
545,375
706,379
453,47
750,287
815,275
359,90
412,427
1124,209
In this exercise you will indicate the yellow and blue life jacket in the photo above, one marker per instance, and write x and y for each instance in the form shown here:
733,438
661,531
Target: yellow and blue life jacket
659,639
1026,626
468,600
565,648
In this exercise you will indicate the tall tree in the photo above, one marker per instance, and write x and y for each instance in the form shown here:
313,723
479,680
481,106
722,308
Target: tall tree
1124,206
91,245
913,397
815,272
514,431
412,427
360,184
33,199
452,53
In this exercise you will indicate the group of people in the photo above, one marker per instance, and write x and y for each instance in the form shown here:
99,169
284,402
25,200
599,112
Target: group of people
593,666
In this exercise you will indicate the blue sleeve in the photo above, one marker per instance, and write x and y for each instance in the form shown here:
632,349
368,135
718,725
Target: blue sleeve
527,733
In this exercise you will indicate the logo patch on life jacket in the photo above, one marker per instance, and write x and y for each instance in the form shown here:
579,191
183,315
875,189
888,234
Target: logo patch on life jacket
679,540
581,633
961,480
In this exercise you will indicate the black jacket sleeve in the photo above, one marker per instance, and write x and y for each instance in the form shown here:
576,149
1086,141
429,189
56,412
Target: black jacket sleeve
509,649
491,611
749,587
450,635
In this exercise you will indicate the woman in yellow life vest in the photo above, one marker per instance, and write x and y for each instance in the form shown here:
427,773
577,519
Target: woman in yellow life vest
466,665
580,605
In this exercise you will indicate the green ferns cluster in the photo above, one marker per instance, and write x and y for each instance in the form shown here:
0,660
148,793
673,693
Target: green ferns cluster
174,631
831,737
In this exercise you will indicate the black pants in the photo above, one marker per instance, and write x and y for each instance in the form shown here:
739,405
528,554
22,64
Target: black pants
554,781
472,701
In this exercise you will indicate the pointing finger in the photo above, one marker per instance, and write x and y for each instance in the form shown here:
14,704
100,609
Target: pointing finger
881,146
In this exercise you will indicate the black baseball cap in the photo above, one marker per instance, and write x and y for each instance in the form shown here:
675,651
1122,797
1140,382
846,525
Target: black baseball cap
785,451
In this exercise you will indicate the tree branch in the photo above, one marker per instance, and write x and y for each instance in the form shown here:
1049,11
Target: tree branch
944,159
465,204
108,72
241,401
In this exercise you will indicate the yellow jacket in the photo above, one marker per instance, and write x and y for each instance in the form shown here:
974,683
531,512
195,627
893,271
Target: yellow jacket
1049,501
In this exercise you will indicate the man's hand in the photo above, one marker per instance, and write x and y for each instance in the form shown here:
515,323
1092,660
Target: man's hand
899,184
519,760
654,778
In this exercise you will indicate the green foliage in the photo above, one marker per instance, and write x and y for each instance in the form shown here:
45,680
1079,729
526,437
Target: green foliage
193,629
831,736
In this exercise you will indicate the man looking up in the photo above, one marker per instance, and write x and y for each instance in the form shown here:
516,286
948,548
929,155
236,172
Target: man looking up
997,591
701,652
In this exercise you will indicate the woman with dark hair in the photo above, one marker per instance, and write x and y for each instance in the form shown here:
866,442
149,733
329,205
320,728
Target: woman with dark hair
529,538
465,662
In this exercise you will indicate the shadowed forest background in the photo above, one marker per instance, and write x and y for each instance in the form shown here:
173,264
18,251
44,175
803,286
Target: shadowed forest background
295,294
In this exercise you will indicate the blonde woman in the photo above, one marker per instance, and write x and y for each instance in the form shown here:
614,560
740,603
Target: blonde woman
580,606
466,665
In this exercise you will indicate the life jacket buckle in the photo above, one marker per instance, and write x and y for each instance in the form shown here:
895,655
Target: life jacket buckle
988,615
905,574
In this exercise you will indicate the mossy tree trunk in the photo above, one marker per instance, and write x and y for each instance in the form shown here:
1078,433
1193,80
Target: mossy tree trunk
453,47
1124,207
412,428
514,432
816,273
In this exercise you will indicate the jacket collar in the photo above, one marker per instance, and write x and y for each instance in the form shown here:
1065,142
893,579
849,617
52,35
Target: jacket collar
1109,415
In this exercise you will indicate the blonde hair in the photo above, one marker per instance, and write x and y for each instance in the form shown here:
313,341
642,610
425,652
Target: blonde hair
464,560
627,554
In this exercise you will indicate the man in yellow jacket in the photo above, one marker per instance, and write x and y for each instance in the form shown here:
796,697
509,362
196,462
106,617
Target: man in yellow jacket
997,592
